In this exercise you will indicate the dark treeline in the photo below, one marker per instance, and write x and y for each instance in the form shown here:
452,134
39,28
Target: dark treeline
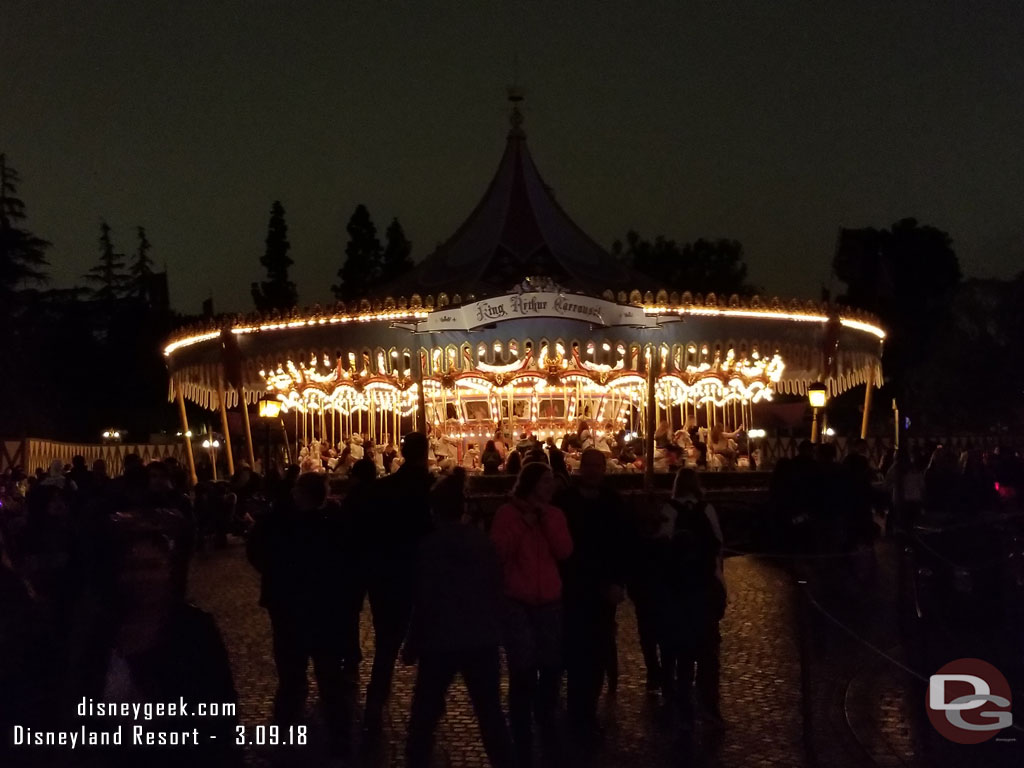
952,357
88,358
82,359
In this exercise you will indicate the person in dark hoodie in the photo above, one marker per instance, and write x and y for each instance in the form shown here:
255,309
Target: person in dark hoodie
455,626
593,578
299,551
395,521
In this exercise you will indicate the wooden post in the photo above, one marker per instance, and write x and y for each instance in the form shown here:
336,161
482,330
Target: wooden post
867,404
248,432
649,426
189,458
224,425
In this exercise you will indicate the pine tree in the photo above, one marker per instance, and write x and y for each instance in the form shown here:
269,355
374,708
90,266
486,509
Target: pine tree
22,254
278,292
141,267
109,275
362,265
396,260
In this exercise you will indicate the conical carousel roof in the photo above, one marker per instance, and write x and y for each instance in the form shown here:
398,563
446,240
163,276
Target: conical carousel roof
517,231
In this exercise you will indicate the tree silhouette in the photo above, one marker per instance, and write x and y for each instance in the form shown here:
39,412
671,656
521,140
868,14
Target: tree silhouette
22,254
363,256
704,266
277,292
396,260
109,275
141,269
909,276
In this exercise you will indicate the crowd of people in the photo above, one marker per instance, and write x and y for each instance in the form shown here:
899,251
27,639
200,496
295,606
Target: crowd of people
98,567
826,505
93,582
447,592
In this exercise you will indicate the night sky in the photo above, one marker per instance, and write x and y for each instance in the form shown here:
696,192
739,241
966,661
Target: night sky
773,123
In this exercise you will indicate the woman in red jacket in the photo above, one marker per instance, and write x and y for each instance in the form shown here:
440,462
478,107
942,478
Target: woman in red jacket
531,536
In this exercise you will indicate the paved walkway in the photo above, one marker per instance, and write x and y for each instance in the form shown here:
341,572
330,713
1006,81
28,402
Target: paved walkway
870,651
760,680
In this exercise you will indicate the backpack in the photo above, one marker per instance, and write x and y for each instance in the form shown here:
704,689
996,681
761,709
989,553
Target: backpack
695,550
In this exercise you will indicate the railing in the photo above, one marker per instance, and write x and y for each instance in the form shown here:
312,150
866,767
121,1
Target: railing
774,448
32,453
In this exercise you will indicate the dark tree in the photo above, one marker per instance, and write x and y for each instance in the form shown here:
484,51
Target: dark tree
22,254
704,266
909,276
277,292
397,249
109,275
141,266
362,265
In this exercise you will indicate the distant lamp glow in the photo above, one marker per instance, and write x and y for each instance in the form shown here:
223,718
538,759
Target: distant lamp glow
756,433
269,409
207,443
817,394
829,432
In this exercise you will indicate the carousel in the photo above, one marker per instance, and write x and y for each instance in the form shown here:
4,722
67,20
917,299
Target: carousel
520,324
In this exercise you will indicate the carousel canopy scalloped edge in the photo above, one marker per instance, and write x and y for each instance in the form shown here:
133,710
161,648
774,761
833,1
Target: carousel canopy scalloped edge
199,388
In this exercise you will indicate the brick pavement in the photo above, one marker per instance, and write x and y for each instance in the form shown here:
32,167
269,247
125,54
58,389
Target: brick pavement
760,680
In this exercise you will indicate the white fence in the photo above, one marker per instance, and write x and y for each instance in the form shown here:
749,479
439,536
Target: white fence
33,453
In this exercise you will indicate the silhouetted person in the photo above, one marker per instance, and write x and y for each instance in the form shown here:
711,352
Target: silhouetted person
81,477
905,479
857,497
829,511
455,626
297,549
594,579
696,591
513,463
398,519
356,509
648,557
532,537
941,483
699,445
490,459
154,647
977,483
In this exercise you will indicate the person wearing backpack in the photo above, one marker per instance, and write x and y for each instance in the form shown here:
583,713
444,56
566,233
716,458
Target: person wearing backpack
695,594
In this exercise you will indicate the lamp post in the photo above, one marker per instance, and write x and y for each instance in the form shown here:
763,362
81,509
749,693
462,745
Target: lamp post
817,394
212,446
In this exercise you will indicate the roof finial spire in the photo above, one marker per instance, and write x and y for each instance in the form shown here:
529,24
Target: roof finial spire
516,95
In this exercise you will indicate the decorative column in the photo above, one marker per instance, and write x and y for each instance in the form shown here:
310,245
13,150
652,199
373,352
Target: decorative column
224,426
649,425
421,398
248,431
867,403
189,458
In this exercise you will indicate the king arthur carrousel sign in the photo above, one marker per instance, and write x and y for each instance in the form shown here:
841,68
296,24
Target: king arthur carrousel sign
517,306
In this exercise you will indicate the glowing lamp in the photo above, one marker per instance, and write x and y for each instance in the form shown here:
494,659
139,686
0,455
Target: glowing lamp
269,409
817,394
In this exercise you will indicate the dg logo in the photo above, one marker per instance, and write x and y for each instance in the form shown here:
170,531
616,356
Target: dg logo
968,701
